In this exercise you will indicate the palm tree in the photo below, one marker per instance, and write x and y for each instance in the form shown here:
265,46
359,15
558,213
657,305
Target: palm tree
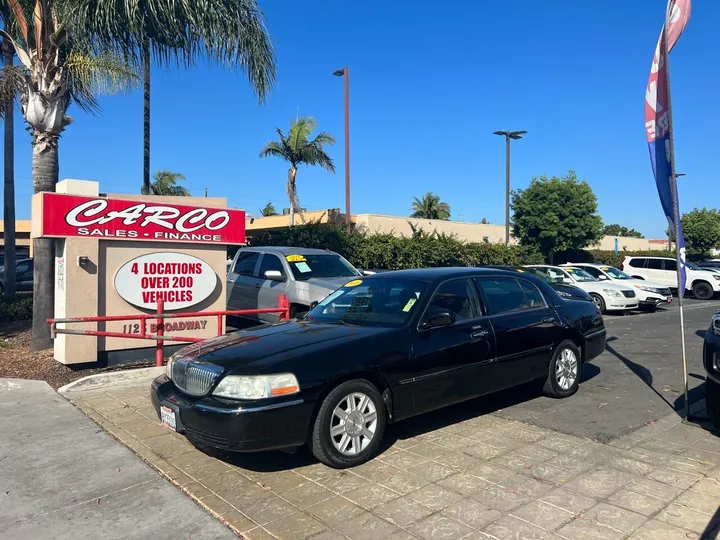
268,210
227,32
165,182
297,149
430,207
59,64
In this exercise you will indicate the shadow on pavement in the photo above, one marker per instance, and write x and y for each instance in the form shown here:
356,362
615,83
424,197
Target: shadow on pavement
412,427
712,529
641,372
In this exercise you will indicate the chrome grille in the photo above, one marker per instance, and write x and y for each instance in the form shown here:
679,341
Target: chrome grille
194,378
665,292
628,294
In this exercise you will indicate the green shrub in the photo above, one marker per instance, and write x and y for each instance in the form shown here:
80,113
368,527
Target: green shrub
16,310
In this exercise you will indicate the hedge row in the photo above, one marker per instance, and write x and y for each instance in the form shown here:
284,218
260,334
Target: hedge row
16,310
385,251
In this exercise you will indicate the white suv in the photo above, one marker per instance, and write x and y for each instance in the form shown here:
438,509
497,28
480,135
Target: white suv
703,284
607,296
649,293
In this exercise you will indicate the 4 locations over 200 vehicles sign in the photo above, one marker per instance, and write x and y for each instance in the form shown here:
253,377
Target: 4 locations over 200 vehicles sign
72,215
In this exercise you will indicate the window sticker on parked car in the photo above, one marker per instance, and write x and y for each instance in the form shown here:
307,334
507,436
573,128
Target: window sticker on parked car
604,269
520,270
353,283
295,258
409,305
303,267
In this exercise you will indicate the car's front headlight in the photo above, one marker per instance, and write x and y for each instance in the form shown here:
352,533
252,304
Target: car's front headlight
715,324
717,276
647,289
168,367
612,292
257,386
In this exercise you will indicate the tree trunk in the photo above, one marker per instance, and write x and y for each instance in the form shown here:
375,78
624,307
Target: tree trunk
292,194
9,185
146,117
45,171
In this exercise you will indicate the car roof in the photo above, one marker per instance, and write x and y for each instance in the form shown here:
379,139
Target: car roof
433,274
645,257
595,265
286,250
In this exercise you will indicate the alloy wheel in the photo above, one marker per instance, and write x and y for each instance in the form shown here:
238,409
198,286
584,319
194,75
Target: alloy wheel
566,369
353,424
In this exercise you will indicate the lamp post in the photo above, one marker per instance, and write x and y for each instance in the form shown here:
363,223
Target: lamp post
515,135
345,73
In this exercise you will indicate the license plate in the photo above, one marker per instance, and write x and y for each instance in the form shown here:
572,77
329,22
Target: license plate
669,299
167,417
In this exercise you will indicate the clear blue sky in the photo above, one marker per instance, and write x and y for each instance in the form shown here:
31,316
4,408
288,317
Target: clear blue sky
430,82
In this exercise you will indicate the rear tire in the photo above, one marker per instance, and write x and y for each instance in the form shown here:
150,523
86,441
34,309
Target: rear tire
599,302
712,402
702,290
349,425
564,373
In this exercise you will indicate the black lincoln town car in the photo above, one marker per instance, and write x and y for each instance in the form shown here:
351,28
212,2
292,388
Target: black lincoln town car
711,359
380,349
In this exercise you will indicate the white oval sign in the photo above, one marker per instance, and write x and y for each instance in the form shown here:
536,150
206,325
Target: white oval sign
178,279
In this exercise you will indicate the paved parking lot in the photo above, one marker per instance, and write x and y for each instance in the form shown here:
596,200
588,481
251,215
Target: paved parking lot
613,461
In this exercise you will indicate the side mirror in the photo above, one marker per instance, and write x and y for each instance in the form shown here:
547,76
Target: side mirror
603,277
313,305
567,280
274,275
438,319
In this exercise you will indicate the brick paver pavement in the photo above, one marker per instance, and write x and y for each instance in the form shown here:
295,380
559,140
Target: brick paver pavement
483,477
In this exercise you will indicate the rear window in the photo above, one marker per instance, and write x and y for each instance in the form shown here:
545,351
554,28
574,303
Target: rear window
320,266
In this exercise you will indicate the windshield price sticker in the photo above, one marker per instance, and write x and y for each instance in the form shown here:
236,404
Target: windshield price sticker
295,258
409,305
303,267
354,283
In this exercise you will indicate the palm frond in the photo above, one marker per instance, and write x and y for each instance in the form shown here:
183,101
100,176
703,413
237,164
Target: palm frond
12,80
273,148
89,76
323,138
315,155
300,130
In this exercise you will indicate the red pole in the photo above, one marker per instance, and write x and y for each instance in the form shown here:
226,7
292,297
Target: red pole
219,328
159,344
285,306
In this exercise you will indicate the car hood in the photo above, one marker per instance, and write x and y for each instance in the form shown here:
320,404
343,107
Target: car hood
266,345
633,282
598,286
329,283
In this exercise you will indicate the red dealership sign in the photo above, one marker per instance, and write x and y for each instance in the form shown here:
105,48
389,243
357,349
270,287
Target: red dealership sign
116,219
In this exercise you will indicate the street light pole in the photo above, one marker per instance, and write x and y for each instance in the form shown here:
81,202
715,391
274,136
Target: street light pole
345,73
508,135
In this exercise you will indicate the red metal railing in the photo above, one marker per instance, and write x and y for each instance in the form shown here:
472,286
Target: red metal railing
159,337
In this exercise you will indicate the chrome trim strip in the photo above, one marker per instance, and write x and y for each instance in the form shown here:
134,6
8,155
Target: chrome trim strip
242,410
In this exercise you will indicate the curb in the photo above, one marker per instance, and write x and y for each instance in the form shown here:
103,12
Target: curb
115,378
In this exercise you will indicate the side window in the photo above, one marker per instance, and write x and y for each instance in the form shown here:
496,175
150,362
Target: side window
533,295
670,265
654,264
21,269
457,297
637,263
245,264
594,272
506,294
271,262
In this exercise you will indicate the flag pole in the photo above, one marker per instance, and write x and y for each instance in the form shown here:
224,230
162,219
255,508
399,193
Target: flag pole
676,210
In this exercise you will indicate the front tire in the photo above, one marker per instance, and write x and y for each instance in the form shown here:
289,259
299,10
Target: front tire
564,373
712,402
349,425
599,302
702,290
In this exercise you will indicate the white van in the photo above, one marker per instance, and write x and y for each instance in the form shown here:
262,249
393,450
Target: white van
703,284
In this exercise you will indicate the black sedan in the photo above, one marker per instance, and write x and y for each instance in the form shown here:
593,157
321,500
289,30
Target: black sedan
380,349
711,359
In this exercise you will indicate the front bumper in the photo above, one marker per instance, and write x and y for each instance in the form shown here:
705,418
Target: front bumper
241,427
711,356
594,344
621,304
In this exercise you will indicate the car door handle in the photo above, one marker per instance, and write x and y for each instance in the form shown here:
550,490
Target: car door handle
548,320
479,334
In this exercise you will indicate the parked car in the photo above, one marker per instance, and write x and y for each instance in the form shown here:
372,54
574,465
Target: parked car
650,294
563,289
380,349
23,276
258,276
703,284
606,296
708,265
711,359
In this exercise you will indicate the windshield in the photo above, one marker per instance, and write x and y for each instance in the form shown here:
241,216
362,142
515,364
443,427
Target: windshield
371,302
579,275
320,266
615,273
538,273
693,266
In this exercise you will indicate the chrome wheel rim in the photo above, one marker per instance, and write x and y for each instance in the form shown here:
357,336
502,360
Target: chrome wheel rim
566,369
597,301
353,424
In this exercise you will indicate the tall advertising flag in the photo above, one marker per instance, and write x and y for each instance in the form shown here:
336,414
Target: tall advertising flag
658,125
659,130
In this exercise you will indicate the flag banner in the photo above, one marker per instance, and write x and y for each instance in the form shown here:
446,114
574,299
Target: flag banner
658,122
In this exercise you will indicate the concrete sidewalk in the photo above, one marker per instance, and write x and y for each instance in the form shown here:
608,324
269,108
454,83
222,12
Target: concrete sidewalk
62,477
